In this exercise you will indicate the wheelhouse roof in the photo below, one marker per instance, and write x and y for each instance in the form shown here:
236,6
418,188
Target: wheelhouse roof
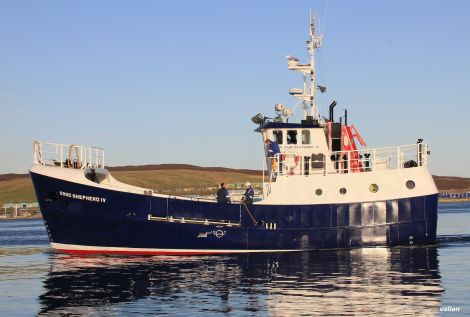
284,125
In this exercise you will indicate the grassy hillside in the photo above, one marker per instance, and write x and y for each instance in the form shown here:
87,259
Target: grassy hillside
172,179
452,184
18,188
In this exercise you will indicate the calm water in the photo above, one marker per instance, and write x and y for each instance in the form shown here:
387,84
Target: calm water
416,281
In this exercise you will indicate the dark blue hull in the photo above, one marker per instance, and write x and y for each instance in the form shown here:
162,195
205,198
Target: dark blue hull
86,219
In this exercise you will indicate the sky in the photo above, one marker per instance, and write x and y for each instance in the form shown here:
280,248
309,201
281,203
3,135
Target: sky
158,82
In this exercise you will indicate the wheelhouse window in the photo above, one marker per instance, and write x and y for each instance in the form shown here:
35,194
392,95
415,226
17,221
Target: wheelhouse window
291,136
306,137
277,135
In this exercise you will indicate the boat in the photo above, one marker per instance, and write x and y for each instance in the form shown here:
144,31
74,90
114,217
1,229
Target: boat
323,188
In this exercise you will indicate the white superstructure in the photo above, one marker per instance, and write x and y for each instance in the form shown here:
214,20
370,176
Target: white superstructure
319,161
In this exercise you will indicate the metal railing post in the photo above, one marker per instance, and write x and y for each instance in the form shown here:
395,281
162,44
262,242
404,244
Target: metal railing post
373,160
41,158
35,155
80,158
398,158
424,155
264,187
61,155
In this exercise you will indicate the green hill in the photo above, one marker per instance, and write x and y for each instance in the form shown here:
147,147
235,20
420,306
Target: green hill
16,190
169,179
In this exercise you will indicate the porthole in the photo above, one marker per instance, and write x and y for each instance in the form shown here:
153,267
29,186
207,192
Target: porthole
342,190
410,184
318,192
374,188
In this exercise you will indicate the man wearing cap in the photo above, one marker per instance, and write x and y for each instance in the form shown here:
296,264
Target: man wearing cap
223,196
249,194
273,150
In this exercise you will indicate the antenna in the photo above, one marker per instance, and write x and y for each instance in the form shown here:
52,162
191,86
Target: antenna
307,94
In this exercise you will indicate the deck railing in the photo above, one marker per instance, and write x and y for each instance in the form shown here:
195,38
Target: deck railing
68,155
367,160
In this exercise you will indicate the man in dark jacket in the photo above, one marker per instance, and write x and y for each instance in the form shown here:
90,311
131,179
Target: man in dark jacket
249,194
223,196
273,150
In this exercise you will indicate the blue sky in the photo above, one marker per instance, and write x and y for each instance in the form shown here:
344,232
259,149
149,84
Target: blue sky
178,81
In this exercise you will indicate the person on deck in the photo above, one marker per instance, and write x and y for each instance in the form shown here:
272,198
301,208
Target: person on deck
247,198
223,196
273,150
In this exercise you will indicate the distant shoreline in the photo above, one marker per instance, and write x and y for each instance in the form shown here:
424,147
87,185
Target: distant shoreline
453,200
38,216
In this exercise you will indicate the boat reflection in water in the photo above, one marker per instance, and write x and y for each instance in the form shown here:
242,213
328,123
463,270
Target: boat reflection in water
365,281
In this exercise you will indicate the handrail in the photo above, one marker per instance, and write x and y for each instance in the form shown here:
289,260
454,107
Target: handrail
354,161
67,155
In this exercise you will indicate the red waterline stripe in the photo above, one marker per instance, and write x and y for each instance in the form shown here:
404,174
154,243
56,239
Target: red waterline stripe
121,252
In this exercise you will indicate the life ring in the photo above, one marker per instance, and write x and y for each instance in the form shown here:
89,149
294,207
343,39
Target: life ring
291,162
297,159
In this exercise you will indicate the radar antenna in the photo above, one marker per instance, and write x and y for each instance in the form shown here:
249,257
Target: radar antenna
307,94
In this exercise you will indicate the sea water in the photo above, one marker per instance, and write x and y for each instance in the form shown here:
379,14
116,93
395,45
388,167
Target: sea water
414,281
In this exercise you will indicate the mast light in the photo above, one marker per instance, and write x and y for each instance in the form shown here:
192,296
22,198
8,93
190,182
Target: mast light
258,119
279,107
296,91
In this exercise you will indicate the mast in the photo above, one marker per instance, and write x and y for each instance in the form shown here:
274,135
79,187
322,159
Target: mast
307,94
